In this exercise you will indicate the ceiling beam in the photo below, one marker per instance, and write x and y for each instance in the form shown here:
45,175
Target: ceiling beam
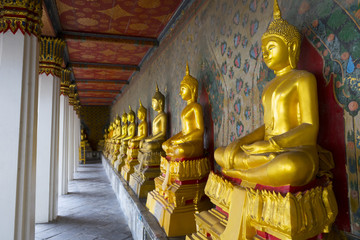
108,66
103,81
110,38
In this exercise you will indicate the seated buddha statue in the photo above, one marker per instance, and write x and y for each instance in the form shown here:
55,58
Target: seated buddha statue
117,131
283,151
129,134
123,134
133,145
154,142
189,142
131,126
142,129
277,162
150,152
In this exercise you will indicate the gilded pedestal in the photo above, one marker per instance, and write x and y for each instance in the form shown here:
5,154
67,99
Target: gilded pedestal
179,193
142,180
281,212
130,162
120,160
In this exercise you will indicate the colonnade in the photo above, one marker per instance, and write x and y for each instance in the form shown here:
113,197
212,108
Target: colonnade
40,125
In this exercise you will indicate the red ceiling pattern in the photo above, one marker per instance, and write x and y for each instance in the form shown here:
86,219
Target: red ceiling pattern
99,86
146,18
106,52
107,40
101,74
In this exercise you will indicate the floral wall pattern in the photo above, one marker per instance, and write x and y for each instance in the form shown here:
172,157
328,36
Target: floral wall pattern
221,40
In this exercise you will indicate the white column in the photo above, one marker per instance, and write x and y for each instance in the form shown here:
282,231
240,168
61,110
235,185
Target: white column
63,144
77,141
19,61
46,164
71,144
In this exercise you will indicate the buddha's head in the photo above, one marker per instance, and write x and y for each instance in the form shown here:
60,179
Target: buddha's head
131,115
124,117
189,87
158,100
117,120
142,111
280,43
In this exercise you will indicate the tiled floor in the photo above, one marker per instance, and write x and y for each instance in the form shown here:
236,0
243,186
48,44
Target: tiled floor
89,211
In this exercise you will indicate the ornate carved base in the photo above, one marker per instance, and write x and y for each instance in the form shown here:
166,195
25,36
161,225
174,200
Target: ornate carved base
299,215
128,168
178,194
130,162
119,163
142,180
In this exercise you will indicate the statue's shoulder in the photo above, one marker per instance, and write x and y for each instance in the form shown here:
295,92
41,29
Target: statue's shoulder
304,76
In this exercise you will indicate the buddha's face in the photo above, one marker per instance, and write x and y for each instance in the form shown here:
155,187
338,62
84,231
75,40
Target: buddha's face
155,104
124,118
185,92
141,115
275,53
130,118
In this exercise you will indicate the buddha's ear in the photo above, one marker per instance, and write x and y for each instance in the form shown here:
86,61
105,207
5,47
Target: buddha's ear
293,54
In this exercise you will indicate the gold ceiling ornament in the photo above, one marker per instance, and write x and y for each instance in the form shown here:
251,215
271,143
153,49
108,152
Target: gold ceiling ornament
72,94
51,55
65,81
281,28
23,15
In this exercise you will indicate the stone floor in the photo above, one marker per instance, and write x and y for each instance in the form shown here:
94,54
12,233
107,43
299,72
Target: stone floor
89,211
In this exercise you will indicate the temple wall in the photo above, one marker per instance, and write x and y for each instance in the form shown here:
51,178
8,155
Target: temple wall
221,40
94,119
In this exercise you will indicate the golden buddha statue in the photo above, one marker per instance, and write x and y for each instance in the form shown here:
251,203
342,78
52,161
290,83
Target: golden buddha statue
189,142
122,135
117,131
124,141
115,141
279,155
133,145
179,190
142,180
154,142
142,127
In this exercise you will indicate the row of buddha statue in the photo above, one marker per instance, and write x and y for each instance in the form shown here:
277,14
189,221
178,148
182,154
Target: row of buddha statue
275,182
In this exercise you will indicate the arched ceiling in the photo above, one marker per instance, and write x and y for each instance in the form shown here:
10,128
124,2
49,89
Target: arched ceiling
107,40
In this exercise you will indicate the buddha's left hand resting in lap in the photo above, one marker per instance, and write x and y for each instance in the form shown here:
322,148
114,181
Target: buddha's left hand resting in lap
283,151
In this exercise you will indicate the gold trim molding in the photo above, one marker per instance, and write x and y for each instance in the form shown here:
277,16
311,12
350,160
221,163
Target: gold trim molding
23,15
65,82
51,55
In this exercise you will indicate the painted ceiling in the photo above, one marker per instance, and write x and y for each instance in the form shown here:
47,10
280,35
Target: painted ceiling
107,40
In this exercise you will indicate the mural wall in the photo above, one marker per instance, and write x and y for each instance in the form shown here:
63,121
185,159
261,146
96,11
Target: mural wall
221,40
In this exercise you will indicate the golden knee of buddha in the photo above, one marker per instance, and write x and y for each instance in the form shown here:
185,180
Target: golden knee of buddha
142,127
154,142
189,142
283,151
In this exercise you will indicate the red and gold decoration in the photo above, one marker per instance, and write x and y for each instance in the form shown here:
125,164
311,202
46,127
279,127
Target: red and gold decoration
51,55
23,15
117,52
135,18
65,82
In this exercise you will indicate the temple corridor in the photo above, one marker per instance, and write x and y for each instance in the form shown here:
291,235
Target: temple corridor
89,211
